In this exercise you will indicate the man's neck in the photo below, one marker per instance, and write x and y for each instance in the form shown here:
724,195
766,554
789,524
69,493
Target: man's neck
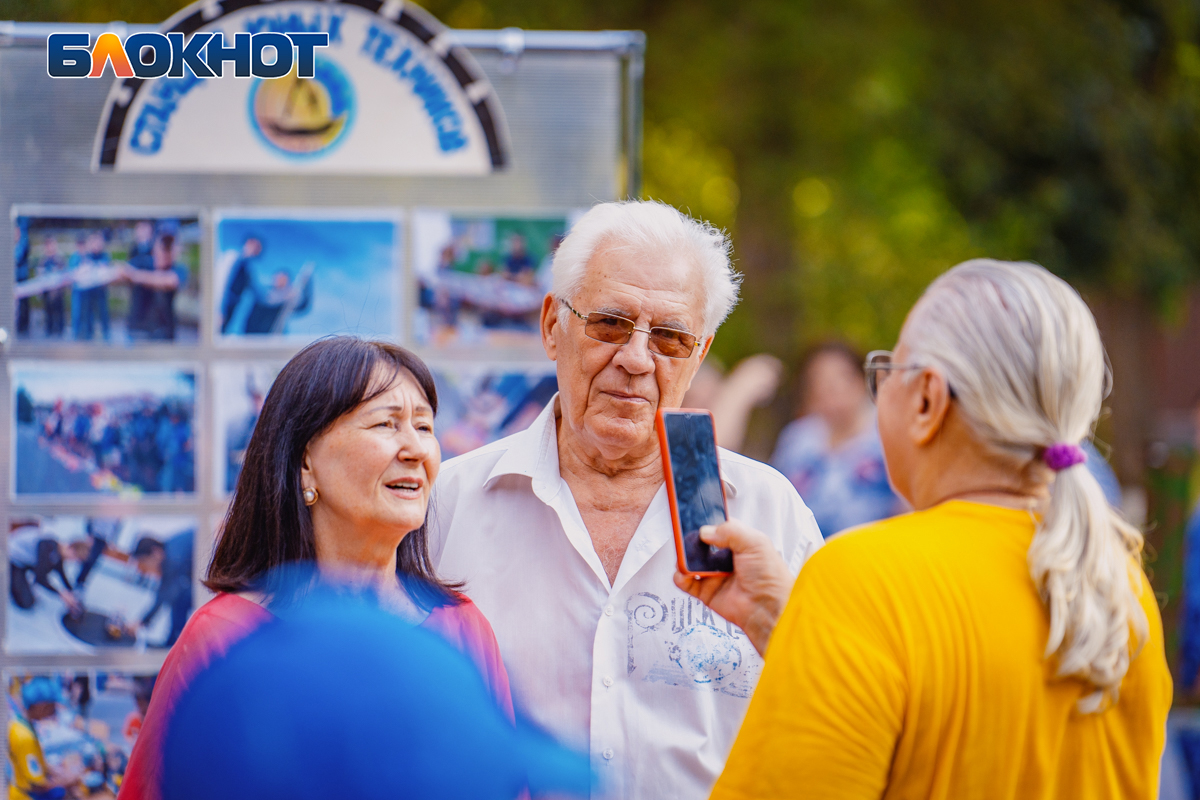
577,463
612,495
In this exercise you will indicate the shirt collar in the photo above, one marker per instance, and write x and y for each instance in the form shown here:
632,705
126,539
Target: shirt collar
534,453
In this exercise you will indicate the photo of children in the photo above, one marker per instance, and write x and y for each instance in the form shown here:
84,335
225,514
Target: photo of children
481,280
478,404
83,584
240,389
118,280
111,428
295,279
70,733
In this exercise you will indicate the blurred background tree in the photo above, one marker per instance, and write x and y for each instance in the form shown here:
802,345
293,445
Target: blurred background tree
856,149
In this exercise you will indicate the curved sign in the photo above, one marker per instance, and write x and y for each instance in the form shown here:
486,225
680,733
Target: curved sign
391,94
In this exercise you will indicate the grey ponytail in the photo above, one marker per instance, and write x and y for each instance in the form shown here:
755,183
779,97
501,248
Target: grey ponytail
1023,353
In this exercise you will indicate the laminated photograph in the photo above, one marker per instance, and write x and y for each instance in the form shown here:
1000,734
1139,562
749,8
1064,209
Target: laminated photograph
73,730
86,584
96,275
114,428
292,277
481,280
239,390
478,403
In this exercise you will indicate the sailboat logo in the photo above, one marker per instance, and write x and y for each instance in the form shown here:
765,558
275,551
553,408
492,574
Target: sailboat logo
303,116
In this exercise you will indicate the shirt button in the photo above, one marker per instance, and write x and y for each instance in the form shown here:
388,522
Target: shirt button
608,681
608,754
608,611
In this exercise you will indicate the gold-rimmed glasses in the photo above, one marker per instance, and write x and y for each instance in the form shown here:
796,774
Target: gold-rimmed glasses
614,329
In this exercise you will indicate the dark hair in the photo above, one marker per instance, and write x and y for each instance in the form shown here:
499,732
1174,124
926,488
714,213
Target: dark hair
268,525
143,687
839,348
146,546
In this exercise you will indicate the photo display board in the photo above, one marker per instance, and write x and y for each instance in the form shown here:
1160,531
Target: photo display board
158,273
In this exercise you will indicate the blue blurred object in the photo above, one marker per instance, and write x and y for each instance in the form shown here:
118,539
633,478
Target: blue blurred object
1097,464
1189,644
339,698
40,690
844,486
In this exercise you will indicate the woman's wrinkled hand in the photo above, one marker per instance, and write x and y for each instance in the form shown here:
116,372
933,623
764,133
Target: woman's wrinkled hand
754,595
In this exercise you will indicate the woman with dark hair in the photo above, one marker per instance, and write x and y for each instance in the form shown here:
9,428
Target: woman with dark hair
832,454
338,472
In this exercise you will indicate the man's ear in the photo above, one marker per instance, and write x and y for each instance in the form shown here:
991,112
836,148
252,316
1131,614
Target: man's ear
550,326
704,345
932,397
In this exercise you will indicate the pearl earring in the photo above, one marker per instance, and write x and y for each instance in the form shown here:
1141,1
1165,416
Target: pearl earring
310,497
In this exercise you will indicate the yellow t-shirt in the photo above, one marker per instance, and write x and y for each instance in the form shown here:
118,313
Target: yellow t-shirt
909,664
25,757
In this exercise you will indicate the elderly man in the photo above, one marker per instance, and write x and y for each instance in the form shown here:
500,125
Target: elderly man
562,533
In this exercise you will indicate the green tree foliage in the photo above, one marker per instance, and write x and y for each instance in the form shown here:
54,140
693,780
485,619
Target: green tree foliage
857,148
867,146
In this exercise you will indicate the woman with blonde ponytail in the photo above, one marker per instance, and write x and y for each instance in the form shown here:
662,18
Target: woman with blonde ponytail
1001,641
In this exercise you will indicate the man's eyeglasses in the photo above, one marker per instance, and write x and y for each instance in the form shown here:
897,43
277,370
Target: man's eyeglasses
880,361
611,329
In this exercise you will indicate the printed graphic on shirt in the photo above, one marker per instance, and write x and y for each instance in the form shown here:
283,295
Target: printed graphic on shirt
681,642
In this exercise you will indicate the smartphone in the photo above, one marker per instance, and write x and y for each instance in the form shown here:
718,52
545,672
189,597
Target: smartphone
694,489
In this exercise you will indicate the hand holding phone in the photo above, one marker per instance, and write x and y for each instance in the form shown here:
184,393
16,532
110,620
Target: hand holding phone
694,489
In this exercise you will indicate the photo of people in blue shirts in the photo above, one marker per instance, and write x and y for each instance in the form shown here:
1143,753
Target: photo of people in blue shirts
111,280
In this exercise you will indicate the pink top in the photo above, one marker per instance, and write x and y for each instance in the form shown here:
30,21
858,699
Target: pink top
228,618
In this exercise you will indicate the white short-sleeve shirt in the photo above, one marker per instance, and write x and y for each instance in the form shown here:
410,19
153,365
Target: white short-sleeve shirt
643,677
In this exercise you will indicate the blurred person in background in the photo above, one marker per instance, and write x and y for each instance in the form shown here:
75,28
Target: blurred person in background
338,473
32,551
1098,465
89,294
239,431
143,241
156,277
337,698
518,264
174,442
562,532
1189,644
145,460
1001,641
273,307
143,690
171,563
832,454
53,300
240,282
23,267
100,532
30,778
731,398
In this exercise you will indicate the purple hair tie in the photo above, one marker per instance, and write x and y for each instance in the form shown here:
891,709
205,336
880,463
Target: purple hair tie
1063,455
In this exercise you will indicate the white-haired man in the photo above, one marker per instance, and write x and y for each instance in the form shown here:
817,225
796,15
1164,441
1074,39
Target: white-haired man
562,532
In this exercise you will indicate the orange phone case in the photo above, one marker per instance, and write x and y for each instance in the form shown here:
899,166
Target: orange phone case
671,501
